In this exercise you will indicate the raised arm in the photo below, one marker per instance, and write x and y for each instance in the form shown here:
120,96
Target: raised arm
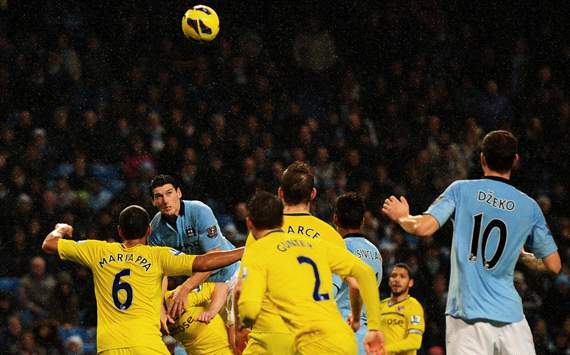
399,211
61,230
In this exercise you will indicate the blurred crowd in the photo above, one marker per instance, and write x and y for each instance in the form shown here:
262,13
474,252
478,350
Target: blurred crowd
394,100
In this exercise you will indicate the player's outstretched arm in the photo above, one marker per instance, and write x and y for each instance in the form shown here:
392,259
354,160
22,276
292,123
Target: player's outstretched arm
61,230
178,298
219,296
398,210
217,259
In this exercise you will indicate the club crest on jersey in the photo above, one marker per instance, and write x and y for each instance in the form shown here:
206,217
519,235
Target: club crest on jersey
190,232
400,308
212,232
415,319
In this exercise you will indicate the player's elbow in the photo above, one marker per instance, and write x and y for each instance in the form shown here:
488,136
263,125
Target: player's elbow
248,312
203,263
49,247
552,263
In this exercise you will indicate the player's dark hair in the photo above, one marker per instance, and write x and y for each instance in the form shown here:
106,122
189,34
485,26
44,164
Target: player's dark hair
349,210
297,183
407,267
161,180
134,222
499,149
265,210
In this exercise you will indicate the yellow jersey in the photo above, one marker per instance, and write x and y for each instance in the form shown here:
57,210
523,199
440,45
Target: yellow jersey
295,274
127,288
197,337
403,325
307,225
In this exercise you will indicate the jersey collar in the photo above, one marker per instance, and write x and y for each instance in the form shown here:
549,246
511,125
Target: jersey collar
354,235
498,178
296,214
273,231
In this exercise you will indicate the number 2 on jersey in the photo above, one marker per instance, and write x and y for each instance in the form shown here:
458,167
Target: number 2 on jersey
118,286
316,295
495,223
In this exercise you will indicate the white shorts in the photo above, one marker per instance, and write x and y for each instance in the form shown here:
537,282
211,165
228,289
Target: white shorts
485,338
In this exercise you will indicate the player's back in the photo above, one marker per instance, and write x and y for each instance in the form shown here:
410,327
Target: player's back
127,288
198,337
307,226
493,221
299,284
358,245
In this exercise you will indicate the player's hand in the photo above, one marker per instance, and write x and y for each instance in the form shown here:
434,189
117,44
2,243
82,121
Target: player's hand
374,343
396,209
355,325
206,317
165,321
177,302
64,229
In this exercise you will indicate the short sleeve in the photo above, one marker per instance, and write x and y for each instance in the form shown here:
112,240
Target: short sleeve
540,241
83,252
444,205
174,262
209,234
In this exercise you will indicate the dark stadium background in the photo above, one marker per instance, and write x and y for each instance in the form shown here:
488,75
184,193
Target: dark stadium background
96,97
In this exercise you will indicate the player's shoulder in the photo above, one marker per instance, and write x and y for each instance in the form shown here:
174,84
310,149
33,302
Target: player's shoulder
384,302
155,221
413,302
195,206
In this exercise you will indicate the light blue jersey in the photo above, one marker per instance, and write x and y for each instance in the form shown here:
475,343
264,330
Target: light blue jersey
197,232
358,245
492,222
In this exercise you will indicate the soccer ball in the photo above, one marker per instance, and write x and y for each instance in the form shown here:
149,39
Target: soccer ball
201,23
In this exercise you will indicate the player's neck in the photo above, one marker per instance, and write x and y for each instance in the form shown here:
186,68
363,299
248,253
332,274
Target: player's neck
399,298
346,231
302,207
488,172
129,243
262,233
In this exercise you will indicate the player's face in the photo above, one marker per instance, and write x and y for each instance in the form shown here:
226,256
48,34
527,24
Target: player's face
399,282
167,199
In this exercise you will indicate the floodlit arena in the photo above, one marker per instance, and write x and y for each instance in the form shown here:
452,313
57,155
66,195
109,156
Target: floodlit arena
282,177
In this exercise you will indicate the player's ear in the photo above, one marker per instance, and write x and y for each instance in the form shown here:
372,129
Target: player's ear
313,194
411,283
249,224
280,193
178,192
120,232
482,160
335,220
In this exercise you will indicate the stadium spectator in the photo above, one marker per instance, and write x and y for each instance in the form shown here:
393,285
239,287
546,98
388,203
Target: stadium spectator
36,289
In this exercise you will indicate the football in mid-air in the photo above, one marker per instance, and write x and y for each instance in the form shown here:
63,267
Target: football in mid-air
201,23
